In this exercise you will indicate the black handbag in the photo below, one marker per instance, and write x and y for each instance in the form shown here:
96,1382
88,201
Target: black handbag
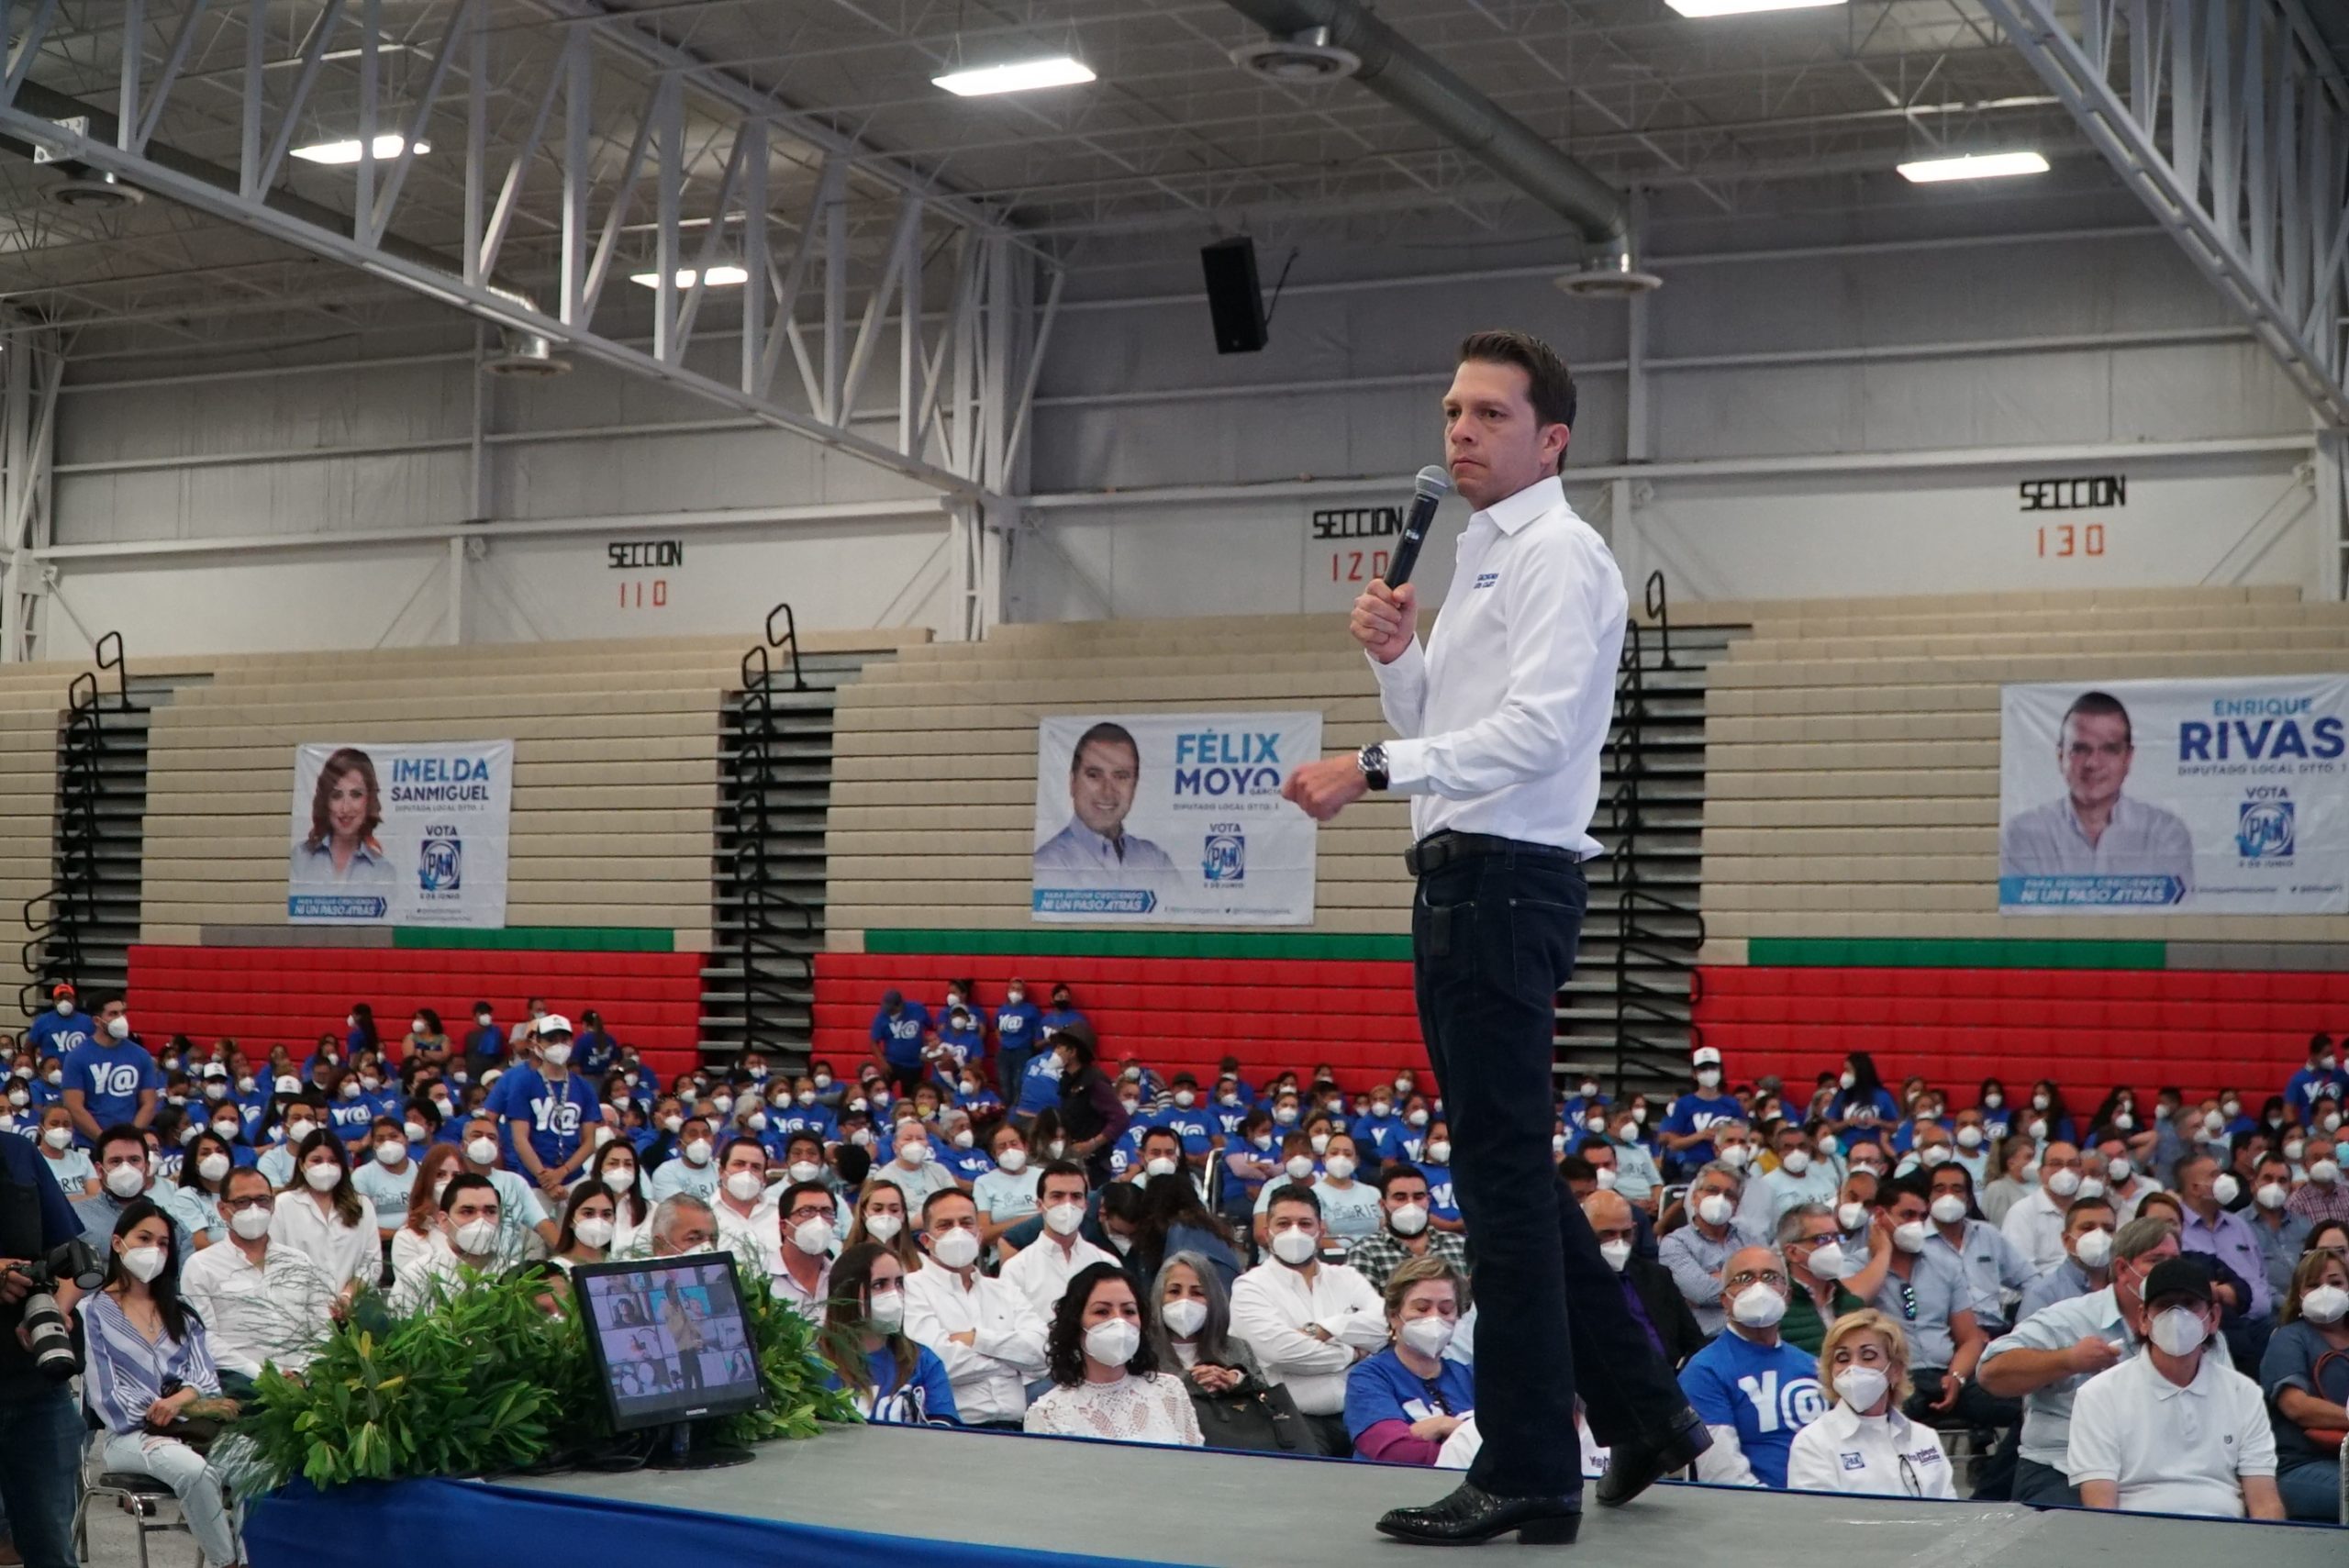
1252,1416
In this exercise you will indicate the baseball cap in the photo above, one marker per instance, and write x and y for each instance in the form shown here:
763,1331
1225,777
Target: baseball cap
892,998
549,1023
2178,1276
1706,1057
62,988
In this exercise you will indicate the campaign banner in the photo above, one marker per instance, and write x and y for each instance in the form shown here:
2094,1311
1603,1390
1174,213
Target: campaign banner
1172,818
2207,797
400,835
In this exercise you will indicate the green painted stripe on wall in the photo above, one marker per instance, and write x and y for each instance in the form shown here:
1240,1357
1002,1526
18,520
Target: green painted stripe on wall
1927,952
1394,948
543,938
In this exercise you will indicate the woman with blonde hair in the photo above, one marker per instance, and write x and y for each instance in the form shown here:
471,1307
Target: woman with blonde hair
1864,1445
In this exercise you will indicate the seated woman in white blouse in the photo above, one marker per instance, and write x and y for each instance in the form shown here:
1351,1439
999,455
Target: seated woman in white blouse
1863,1444
323,1218
1106,1382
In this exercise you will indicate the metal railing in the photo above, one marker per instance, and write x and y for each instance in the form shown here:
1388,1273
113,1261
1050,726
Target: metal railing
54,946
1655,934
769,915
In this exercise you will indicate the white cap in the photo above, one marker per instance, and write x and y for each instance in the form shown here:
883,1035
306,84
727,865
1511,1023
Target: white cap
1707,1057
289,1084
551,1023
213,1070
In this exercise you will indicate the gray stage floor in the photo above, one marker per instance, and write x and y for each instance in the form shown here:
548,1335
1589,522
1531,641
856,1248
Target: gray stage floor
1231,1510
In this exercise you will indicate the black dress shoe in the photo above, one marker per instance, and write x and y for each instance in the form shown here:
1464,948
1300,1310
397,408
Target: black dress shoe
1472,1515
1632,1468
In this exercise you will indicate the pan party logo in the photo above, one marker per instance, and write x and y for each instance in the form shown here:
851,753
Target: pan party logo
1227,854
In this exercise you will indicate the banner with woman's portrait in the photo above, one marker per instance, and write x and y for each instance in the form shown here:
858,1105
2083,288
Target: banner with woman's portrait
400,835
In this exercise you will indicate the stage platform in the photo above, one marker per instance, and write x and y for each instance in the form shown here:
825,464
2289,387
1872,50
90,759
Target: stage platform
886,1495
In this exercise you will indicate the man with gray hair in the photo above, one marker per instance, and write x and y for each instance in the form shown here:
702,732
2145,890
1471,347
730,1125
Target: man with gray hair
2051,1356
681,1224
1696,1251
1824,1282
1753,1391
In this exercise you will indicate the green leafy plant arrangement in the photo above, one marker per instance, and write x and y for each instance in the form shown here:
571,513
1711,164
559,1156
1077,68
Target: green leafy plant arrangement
484,1382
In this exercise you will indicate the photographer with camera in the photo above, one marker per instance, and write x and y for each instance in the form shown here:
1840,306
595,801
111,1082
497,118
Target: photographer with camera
40,1431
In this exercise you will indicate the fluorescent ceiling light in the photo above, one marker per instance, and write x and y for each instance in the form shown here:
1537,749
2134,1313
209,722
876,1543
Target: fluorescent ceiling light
1058,70
1974,166
725,275
388,145
1744,7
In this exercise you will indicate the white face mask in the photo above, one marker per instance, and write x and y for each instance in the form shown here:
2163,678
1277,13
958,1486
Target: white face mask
1852,1216
1969,1137
619,1178
2091,1187
1063,1218
1934,1154
1757,1306
212,1167
476,1237
1736,1156
1948,1209
913,1156
322,1178
2118,1168
1860,1386
1909,1238
57,1138
955,1249
2094,1248
1617,1254
744,1186
883,1227
1706,1077
118,1029
2325,1303
227,1130
143,1263
2063,1184
481,1151
1827,1261
1112,1343
1430,1336
250,1223
1321,1143
1184,1316
1795,1161
813,1236
1339,1166
2325,1172
2292,1150
1440,1152
1186,1098
1298,1167
2226,1189
804,1171
1296,1248
593,1231
126,1181
1714,1208
697,1151
1408,1221
1012,1160
65,1007
887,1312
2178,1331
390,1153
2271,1194
295,1131
556,1055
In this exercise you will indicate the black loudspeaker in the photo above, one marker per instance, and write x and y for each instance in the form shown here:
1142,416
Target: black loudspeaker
1235,299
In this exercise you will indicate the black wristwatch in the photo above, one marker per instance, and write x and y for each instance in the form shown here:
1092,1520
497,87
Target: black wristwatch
1372,760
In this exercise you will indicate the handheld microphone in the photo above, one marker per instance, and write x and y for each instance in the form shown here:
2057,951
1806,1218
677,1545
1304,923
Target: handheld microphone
1432,486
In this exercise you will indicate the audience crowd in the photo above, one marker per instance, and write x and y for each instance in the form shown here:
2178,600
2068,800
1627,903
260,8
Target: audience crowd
2144,1306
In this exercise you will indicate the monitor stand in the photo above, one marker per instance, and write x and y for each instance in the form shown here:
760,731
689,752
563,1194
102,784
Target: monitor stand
686,1445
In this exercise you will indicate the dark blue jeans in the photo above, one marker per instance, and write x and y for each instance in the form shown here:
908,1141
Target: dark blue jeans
41,1436
1493,942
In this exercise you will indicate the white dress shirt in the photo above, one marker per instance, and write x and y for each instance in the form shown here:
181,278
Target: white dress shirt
1274,1304
1505,712
2170,1449
1876,1456
270,1313
1042,1271
991,1373
343,1252
2035,1226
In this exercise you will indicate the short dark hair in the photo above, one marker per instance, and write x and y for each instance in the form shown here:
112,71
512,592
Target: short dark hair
797,1190
1398,1171
1063,1169
1574,1168
1104,733
1293,1191
1550,386
120,1132
933,1200
462,1183
2100,704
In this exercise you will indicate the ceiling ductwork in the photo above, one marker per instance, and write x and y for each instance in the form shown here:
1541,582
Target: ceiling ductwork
523,353
1312,39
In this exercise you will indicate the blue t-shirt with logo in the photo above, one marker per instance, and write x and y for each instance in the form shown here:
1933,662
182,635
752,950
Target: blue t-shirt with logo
559,1113
1381,1137
1767,1392
111,1074
1019,1027
350,1117
1440,1203
1695,1113
1039,1087
1195,1127
56,1034
900,1038
1382,1388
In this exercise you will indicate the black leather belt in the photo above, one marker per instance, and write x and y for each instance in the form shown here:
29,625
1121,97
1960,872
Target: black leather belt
1438,851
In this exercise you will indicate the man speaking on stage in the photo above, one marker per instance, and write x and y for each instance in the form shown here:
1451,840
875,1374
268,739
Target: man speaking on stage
1503,718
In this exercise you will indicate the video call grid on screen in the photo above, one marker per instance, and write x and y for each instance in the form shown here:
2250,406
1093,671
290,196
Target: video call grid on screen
672,1340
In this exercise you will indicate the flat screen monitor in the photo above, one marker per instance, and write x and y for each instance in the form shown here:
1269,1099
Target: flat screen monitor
670,1338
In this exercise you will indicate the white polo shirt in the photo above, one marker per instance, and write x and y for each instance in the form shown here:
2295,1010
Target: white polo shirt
991,1373
2171,1450
1875,1456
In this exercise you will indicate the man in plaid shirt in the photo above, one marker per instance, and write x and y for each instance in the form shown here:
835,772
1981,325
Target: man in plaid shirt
1403,1197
